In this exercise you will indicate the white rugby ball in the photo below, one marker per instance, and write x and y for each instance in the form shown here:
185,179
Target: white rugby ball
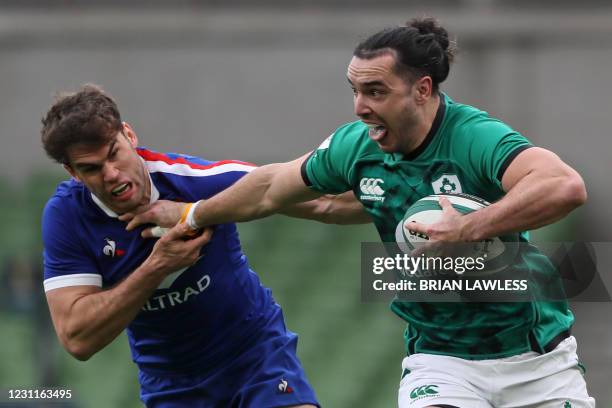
497,252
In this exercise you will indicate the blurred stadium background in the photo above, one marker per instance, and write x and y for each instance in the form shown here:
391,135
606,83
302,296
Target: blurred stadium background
228,80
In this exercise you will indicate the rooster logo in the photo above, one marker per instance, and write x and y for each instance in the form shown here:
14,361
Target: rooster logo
110,249
284,387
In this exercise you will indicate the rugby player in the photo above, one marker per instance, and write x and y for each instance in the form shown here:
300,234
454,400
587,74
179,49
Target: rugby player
202,329
413,140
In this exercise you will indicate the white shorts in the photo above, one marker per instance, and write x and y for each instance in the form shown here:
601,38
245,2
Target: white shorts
551,380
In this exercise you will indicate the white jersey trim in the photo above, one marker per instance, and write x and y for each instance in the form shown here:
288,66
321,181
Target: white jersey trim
77,279
186,170
181,170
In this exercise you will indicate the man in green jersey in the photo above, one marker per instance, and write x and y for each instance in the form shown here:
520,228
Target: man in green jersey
412,141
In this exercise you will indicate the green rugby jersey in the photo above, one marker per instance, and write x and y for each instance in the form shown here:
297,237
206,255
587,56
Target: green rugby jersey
466,151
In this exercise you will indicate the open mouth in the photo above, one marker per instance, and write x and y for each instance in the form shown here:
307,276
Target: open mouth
121,189
376,132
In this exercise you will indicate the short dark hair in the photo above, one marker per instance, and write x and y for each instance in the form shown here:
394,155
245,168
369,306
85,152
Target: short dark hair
421,48
87,117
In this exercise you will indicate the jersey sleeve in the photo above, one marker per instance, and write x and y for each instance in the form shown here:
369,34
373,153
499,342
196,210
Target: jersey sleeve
330,168
491,146
65,261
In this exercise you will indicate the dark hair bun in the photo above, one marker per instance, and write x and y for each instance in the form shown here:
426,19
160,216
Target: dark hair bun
428,26
421,47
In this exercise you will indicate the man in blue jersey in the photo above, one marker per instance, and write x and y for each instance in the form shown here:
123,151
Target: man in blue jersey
202,329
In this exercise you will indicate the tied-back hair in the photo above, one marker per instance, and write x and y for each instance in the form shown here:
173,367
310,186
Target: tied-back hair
421,48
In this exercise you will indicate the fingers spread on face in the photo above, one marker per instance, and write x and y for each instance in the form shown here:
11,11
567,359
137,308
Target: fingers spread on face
134,222
146,217
126,217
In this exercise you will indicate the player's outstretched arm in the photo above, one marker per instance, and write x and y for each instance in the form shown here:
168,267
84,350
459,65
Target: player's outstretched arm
331,209
541,189
87,318
262,192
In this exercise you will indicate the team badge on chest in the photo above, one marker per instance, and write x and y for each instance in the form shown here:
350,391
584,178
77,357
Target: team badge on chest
111,250
446,183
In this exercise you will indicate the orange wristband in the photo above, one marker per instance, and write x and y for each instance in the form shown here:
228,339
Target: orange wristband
185,213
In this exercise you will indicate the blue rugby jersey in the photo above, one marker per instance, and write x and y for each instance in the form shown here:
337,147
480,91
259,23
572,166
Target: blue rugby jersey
197,317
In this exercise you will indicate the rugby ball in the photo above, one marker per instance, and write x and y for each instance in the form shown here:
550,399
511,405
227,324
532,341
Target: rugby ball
498,252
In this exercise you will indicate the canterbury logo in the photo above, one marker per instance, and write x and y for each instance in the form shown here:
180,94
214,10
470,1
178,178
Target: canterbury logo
424,391
370,186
